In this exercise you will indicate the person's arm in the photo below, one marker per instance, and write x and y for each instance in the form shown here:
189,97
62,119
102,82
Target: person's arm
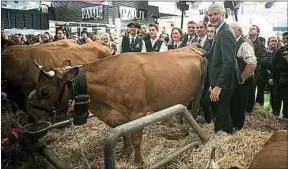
119,46
248,55
143,46
227,44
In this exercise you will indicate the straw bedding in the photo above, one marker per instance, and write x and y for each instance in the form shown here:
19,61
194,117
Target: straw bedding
163,138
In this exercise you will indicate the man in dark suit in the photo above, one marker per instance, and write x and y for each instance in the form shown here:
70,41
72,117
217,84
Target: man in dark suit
203,40
224,74
191,36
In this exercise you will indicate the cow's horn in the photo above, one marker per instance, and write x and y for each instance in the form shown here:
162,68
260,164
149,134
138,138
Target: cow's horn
51,73
37,64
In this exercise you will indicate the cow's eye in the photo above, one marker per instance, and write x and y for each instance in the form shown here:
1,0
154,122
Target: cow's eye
44,93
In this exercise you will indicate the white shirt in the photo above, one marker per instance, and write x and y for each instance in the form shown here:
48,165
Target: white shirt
119,46
190,41
163,47
246,51
203,40
177,44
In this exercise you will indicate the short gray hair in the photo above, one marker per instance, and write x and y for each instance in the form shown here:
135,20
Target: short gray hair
218,6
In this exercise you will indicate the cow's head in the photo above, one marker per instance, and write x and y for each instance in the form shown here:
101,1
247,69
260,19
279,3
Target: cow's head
51,88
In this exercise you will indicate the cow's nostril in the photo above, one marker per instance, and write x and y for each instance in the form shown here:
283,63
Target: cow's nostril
44,93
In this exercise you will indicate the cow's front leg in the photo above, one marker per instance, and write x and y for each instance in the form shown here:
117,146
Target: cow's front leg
127,148
136,141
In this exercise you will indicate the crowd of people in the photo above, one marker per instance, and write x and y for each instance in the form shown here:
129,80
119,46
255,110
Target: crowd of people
238,64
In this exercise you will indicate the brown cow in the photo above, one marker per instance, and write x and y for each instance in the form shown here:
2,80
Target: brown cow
273,155
125,87
21,74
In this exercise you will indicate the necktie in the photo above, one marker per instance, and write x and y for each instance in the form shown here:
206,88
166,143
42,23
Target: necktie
190,40
132,42
175,46
199,41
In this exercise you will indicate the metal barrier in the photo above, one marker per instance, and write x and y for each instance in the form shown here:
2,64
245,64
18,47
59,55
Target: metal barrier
111,140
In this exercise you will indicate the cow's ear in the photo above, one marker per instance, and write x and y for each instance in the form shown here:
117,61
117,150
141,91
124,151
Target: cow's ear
66,63
71,74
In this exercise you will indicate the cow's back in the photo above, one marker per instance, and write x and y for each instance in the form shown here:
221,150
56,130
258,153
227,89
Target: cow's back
160,80
177,73
272,156
19,70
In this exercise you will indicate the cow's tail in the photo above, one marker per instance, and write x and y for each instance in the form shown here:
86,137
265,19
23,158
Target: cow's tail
197,97
203,72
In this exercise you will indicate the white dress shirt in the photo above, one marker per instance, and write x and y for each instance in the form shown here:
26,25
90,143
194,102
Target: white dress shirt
192,38
163,46
203,40
246,51
119,46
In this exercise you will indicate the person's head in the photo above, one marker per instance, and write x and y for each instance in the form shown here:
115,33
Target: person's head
123,32
60,34
210,31
96,38
88,40
133,28
216,14
17,38
84,35
153,30
105,38
285,39
75,37
177,34
254,31
262,40
201,28
143,30
272,43
45,37
191,27
237,30
163,36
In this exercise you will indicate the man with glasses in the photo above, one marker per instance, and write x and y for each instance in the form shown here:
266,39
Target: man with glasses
191,36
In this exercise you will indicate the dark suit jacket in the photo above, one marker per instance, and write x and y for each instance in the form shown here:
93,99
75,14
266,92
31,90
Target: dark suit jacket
222,63
207,45
186,39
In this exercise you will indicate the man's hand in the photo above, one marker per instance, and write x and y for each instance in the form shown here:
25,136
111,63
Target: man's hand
215,93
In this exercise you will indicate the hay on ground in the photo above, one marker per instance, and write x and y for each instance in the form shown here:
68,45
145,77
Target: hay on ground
161,139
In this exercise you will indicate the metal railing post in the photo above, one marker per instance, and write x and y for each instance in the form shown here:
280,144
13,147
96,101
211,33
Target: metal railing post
116,133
